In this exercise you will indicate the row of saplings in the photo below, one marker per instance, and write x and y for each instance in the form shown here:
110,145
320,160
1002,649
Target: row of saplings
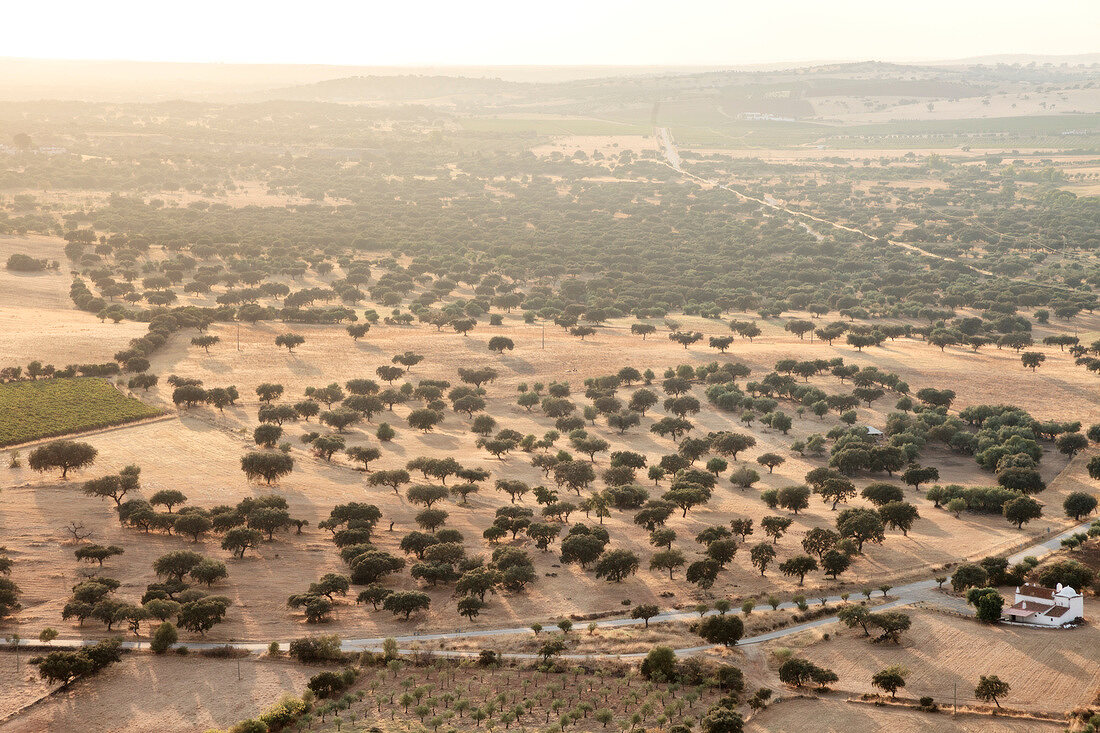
681,682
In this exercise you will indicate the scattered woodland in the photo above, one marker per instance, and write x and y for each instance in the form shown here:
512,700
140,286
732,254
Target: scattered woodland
308,376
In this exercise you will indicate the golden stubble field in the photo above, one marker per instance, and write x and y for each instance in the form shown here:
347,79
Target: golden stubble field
836,716
1049,670
144,692
37,318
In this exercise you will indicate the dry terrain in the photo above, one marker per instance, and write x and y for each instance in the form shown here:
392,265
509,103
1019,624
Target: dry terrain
37,318
199,454
835,716
143,693
555,198
1050,670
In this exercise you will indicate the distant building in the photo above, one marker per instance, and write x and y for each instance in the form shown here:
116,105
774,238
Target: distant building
1041,606
763,117
874,433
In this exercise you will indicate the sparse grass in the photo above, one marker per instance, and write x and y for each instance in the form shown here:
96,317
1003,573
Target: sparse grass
52,407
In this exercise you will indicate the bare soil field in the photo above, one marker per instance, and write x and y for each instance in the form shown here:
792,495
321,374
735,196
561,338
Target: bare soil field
1050,670
835,716
199,454
146,692
20,683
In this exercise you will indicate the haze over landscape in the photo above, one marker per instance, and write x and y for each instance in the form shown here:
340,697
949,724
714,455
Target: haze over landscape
654,367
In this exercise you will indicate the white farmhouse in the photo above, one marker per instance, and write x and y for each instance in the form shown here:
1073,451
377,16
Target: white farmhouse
1046,606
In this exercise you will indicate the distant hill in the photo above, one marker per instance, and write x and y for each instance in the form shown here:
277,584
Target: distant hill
407,87
1023,58
35,79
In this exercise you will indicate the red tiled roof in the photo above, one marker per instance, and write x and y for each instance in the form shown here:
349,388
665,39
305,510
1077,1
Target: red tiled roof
1030,608
1037,591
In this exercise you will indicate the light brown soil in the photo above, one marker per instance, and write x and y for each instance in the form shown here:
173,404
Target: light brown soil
169,693
605,144
39,321
1050,670
835,716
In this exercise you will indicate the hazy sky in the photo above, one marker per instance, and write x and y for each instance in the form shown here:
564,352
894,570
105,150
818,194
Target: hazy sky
485,32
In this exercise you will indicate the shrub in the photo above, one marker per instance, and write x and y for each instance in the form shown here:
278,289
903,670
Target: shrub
328,683
659,664
163,638
283,713
25,263
313,649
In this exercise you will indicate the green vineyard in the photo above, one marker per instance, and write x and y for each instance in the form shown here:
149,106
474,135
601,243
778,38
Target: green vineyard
53,407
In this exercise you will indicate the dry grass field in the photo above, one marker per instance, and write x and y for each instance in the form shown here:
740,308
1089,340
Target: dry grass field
633,639
1050,670
143,693
662,192
37,318
199,454
835,716
887,109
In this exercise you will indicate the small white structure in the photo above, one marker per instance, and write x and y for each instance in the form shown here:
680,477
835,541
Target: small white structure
874,433
1046,606
763,117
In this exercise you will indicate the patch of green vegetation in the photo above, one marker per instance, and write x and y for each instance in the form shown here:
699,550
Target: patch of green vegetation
51,407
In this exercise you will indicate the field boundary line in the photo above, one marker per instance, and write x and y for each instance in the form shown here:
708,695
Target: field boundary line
969,709
92,431
42,698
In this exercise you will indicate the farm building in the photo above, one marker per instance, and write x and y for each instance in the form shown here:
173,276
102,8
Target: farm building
1041,606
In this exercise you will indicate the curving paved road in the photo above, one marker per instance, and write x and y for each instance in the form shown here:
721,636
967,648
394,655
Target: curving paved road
904,595
674,162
